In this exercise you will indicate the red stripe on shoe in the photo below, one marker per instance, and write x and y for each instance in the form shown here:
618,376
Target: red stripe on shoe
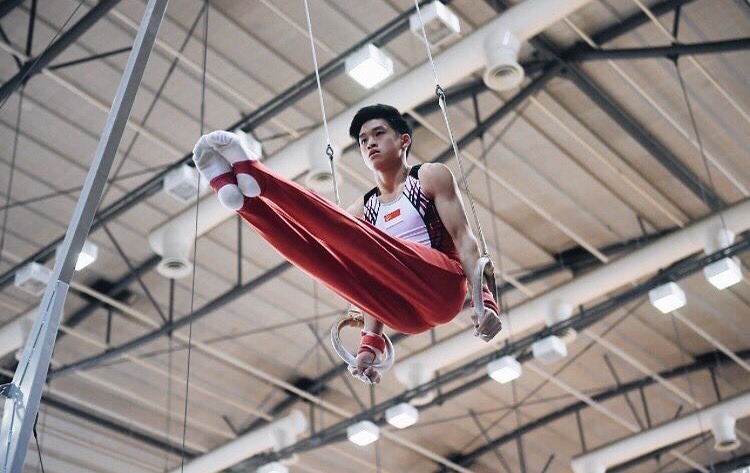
221,180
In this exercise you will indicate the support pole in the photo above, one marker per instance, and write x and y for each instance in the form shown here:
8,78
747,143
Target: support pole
25,391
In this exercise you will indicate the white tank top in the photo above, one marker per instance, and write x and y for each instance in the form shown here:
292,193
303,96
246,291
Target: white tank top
400,219
412,216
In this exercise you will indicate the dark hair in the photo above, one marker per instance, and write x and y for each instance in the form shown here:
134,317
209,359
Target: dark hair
386,112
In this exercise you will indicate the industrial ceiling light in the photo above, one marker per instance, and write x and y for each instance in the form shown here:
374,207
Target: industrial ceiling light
504,370
549,349
363,433
182,184
402,415
723,273
369,66
667,297
88,255
273,467
440,23
32,278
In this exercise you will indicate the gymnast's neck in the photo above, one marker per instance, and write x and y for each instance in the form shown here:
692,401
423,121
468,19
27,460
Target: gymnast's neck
390,179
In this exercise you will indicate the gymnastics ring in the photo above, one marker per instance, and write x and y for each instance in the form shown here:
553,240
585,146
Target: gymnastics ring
355,319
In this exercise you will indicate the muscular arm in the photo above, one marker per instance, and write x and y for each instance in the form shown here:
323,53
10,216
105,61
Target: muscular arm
437,180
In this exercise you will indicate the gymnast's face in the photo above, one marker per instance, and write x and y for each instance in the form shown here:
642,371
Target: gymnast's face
381,146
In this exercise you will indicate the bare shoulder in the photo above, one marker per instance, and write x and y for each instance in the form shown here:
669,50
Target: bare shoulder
437,179
357,208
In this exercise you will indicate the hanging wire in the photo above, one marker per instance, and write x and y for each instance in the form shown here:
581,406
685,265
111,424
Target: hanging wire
501,300
686,97
329,147
36,440
698,138
43,428
207,4
22,82
444,108
11,173
709,451
170,357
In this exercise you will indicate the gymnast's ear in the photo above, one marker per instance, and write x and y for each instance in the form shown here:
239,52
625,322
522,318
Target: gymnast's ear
406,138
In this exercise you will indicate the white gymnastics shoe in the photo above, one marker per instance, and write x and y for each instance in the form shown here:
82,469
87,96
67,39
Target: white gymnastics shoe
217,171
230,146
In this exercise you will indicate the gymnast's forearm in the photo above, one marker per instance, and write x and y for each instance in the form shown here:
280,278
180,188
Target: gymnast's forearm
468,254
372,324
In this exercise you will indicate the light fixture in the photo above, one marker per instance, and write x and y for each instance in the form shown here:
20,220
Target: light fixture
32,278
88,255
369,66
667,297
181,184
363,433
549,350
273,467
723,273
440,23
402,415
504,370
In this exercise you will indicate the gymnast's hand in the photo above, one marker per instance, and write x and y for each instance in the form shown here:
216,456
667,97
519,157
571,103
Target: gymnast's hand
488,326
364,371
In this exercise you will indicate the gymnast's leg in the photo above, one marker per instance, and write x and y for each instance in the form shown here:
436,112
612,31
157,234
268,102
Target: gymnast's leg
405,285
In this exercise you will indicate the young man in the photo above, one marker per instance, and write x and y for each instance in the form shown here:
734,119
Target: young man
403,261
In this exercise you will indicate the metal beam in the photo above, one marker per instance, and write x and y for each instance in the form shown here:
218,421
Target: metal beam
670,52
95,57
626,121
702,362
585,319
657,149
30,31
264,112
128,431
575,260
652,455
733,465
81,314
25,392
467,90
7,6
167,328
293,93
509,106
636,20
243,289
35,65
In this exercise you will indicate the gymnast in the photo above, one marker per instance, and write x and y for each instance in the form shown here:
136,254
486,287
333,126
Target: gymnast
401,254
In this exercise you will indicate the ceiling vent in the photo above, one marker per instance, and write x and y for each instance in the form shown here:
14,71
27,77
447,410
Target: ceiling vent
181,184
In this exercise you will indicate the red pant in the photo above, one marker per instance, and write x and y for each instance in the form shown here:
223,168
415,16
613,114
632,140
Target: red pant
405,285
